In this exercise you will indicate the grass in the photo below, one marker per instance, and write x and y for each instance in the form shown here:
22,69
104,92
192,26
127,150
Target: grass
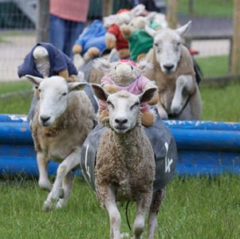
193,208
208,8
7,87
19,103
221,104
214,66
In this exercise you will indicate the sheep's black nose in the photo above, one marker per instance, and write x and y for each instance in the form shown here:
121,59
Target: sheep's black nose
44,118
168,67
121,121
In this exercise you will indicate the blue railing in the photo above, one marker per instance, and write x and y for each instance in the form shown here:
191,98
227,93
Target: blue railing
204,147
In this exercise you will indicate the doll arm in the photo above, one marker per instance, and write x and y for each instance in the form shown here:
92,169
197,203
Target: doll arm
110,88
126,31
110,41
108,84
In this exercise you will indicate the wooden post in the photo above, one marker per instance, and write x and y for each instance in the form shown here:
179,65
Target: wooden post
42,25
172,15
235,67
191,7
107,7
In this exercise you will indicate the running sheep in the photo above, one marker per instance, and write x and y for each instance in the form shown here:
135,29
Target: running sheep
62,120
173,72
125,164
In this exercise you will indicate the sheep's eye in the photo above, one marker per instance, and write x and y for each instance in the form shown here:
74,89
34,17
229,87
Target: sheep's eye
156,44
115,68
134,105
132,68
39,90
63,94
178,43
110,104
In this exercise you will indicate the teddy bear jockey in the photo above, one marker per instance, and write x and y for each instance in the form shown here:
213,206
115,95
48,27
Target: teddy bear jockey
126,75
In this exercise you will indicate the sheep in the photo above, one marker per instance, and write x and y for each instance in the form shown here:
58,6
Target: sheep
125,164
173,72
62,120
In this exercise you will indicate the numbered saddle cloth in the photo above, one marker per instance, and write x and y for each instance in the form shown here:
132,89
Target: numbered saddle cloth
164,148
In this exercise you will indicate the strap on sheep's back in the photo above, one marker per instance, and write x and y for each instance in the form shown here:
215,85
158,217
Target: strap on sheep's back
164,148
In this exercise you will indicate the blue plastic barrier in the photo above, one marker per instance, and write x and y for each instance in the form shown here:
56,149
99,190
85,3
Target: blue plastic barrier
204,147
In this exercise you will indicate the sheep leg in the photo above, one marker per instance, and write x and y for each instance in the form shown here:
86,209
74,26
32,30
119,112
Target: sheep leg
142,208
184,88
67,189
154,209
43,180
72,161
113,212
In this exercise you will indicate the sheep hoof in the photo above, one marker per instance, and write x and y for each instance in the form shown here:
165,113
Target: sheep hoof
60,204
125,235
45,185
47,206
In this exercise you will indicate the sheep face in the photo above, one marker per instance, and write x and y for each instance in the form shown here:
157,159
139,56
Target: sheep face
123,111
53,100
123,107
53,97
167,47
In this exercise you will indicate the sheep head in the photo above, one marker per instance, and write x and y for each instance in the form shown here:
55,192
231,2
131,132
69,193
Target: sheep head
53,97
167,47
123,107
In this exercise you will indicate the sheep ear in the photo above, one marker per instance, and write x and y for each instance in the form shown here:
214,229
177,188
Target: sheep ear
136,11
34,79
147,95
182,30
151,16
99,92
144,65
150,31
109,20
76,85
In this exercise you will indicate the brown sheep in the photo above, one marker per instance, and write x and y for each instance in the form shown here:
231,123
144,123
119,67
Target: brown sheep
63,118
125,164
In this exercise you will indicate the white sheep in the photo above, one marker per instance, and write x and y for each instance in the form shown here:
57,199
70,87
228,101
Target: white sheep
125,164
174,74
63,118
